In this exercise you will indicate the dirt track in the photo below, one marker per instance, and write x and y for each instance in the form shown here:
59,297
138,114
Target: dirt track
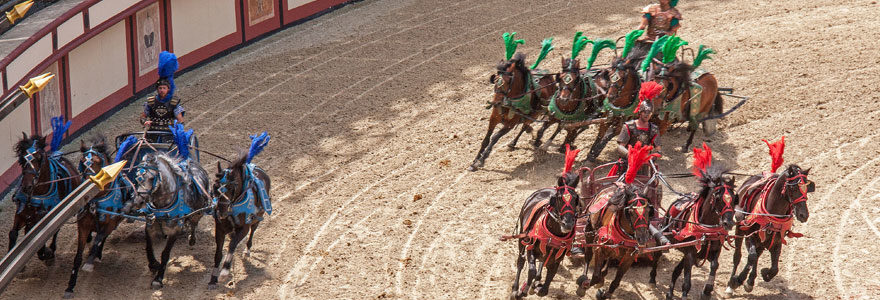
376,109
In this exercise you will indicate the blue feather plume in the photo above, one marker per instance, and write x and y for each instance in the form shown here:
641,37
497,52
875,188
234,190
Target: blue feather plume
167,66
181,139
127,143
59,127
258,142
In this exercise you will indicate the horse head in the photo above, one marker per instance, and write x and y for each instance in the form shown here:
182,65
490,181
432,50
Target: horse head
511,78
94,157
571,85
797,186
565,202
715,187
31,154
228,186
675,77
634,211
157,181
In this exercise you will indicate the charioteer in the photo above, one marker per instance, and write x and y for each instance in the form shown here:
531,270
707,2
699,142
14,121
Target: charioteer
161,110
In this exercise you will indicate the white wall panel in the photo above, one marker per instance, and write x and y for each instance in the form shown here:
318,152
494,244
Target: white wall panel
70,29
29,59
196,24
106,9
98,68
10,132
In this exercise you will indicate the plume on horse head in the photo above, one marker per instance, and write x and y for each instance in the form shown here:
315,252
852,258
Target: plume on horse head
702,54
59,128
123,147
702,160
258,142
546,47
181,139
776,150
25,143
598,45
568,178
510,44
630,40
637,156
655,49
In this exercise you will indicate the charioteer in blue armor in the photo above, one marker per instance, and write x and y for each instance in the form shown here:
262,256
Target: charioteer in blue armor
161,110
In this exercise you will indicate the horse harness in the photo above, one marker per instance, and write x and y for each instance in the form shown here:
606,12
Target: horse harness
175,212
254,190
772,223
579,113
57,170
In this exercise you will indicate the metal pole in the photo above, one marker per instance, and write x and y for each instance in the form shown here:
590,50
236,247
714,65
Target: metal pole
23,93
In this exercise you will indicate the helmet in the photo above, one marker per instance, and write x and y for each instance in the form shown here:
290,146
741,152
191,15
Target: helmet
645,105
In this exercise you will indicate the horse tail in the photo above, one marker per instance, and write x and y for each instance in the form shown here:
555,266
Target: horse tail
718,106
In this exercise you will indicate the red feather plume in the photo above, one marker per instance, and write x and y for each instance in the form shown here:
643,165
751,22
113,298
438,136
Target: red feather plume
776,150
702,160
637,156
648,91
569,158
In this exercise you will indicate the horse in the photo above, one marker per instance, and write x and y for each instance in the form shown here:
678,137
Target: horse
765,219
617,229
675,103
517,100
172,193
237,193
707,214
619,83
576,99
546,230
101,214
46,179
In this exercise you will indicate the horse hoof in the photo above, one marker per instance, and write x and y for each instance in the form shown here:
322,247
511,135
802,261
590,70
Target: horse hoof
541,291
600,294
68,295
88,268
49,262
97,260
472,167
705,296
748,288
766,275
156,285
669,296
247,252
514,295
223,273
728,292
581,291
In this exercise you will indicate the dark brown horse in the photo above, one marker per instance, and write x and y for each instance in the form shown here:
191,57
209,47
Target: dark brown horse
46,179
619,84
767,205
517,100
615,232
709,215
546,223
101,214
239,209
675,103
576,99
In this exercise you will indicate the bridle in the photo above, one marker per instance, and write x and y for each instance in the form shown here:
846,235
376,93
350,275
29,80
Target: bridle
568,194
726,196
222,188
639,205
800,181
617,82
500,83
141,171
86,166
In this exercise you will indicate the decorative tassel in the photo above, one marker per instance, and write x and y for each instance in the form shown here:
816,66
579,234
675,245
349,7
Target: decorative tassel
776,150
598,45
510,44
655,48
569,158
702,54
546,47
258,142
630,40
181,139
123,147
578,44
637,156
59,128
671,47
702,160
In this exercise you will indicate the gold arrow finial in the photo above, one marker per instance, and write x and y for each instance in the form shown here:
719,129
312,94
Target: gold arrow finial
107,174
18,11
36,84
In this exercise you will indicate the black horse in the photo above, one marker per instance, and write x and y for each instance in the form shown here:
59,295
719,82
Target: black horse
768,203
709,215
46,179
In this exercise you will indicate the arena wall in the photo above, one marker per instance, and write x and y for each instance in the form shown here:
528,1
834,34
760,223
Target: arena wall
104,52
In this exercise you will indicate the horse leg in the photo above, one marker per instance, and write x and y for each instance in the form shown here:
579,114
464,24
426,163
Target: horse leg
151,256
602,139
688,267
504,130
675,273
622,268
689,140
166,254
219,238
775,251
570,136
512,144
755,250
530,258
599,262
250,242
544,288
734,282
582,280
654,262
520,262
234,240
713,267
493,121
13,233
95,253
192,232
83,233
540,134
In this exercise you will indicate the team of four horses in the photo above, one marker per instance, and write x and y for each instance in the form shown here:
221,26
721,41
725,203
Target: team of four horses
615,217
164,186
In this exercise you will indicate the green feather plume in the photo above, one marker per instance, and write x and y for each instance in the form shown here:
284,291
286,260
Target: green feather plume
673,3
671,46
510,44
578,44
630,40
702,54
598,45
655,48
546,47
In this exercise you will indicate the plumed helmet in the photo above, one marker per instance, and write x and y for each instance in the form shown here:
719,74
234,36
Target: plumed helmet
646,106
163,81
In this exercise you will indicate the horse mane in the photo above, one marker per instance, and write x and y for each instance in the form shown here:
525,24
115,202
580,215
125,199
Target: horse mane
633,59
519,62
794,170
24,143
713,173
99,143
681,71
169,168
566,62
